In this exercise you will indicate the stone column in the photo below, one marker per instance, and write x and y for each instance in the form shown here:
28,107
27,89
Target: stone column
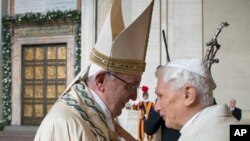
102,10
91,25
185,28
88,30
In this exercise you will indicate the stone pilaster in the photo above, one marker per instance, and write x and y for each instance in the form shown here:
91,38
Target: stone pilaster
185,28
87,30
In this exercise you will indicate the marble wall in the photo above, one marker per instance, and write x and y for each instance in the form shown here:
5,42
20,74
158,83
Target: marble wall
231,74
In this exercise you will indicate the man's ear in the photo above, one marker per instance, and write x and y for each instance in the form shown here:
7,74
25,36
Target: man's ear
190,94
99,81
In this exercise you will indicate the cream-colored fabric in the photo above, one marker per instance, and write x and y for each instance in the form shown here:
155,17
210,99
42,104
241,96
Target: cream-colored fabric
75,117
81,76
210,125
64,124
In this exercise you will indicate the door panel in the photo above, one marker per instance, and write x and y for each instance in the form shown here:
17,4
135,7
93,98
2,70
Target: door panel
43,80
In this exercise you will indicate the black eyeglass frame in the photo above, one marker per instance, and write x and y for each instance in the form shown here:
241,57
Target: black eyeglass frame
133,88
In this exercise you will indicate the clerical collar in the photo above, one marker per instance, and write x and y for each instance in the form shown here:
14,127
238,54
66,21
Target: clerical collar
105,110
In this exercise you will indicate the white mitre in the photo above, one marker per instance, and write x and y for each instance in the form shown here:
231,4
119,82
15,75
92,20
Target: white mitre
122,49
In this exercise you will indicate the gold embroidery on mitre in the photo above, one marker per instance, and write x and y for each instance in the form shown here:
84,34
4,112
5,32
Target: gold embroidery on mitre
126,66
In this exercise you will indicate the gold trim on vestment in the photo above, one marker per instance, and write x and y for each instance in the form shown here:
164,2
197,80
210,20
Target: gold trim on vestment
125,66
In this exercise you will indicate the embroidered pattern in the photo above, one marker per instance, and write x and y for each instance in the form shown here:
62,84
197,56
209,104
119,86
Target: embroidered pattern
66,98
87,100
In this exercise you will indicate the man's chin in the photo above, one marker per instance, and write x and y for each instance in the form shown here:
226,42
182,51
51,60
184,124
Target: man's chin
169,125
118,113
166,123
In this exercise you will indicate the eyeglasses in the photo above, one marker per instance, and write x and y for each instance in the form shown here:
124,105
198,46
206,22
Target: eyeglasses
133,88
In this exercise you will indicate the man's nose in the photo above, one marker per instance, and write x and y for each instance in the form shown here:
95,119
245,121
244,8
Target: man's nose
156,107
134,96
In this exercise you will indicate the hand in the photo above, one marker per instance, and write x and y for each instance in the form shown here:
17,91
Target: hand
121,132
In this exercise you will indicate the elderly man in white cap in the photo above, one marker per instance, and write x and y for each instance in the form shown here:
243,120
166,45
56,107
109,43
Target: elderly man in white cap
86,109
185,101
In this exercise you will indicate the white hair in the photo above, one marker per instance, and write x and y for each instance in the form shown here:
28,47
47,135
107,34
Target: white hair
177,77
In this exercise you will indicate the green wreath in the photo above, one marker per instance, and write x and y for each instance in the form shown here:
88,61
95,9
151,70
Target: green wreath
31,18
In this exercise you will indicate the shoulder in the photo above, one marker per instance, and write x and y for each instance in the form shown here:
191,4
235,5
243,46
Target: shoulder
238,109
63,123
221,124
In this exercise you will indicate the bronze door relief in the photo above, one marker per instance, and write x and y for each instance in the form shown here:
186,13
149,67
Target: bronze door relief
43,79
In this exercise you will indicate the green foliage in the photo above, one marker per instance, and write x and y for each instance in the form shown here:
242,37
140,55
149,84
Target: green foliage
31,18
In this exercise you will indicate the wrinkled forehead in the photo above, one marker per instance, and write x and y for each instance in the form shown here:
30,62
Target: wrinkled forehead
161,84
